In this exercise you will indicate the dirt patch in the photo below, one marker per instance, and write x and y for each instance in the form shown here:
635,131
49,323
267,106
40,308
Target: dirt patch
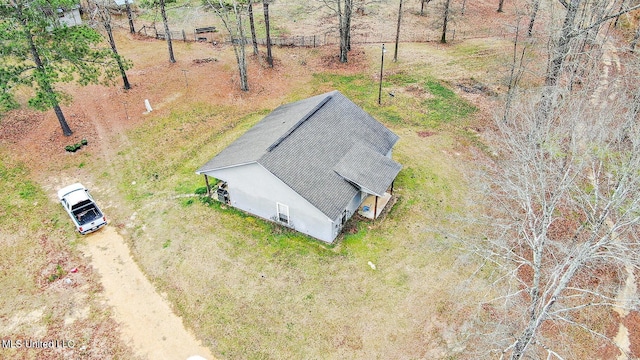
473,86
146,319
417,91
424,134
204,61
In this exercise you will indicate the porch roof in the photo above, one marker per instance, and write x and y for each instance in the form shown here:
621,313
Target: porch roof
369,170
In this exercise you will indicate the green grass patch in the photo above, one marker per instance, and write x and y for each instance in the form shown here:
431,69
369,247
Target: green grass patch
442,105
480,54
445,106
22,201
401,78
27,219
263,290
188,138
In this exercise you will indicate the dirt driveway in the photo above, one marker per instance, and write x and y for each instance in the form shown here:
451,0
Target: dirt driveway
147,322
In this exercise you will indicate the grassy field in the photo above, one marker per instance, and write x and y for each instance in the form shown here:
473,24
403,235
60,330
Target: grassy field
247,288
41,298
251,289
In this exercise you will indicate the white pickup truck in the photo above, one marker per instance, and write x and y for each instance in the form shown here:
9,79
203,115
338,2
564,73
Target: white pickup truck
84,212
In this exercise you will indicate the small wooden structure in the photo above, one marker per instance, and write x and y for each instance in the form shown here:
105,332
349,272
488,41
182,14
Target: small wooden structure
202,33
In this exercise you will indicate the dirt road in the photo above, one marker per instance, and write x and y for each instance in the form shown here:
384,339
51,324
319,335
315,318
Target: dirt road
147,322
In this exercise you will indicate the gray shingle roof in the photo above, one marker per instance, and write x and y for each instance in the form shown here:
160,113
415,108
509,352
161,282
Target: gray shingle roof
370,171
314,144
253,144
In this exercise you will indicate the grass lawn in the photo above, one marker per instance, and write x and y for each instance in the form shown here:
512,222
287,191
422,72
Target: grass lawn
247,288
41,298
251,289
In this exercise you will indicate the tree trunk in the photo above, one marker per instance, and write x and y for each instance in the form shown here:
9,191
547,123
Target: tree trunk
561,50
524,341
130,17
112,42
343,35
167,34
254,41
233,24
46,86
534,13
265,6
500,5
395,54
240,52
348,7
66,130
445,20
514,76
558,55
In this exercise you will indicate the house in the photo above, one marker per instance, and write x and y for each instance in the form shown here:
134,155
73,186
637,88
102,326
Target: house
70,16
308,165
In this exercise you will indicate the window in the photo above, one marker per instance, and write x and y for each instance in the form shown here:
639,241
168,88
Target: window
283,213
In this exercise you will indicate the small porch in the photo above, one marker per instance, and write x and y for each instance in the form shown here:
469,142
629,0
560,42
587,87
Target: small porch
373,205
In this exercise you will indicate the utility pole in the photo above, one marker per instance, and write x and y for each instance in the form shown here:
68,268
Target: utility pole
381,67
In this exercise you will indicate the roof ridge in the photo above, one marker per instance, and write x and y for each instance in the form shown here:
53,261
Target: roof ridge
300,122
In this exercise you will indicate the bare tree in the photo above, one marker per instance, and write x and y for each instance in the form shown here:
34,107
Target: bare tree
161,4
252,25
167,33
516,71
127,5
580,18
445,20
395,53
566,195
231,16
265,7
100,14
343,10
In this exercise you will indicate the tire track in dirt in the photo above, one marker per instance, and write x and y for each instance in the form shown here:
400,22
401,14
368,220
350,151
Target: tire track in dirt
146,320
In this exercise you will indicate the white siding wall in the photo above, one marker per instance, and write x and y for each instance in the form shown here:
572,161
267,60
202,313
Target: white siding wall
71,17
353,205
389,153
255,190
